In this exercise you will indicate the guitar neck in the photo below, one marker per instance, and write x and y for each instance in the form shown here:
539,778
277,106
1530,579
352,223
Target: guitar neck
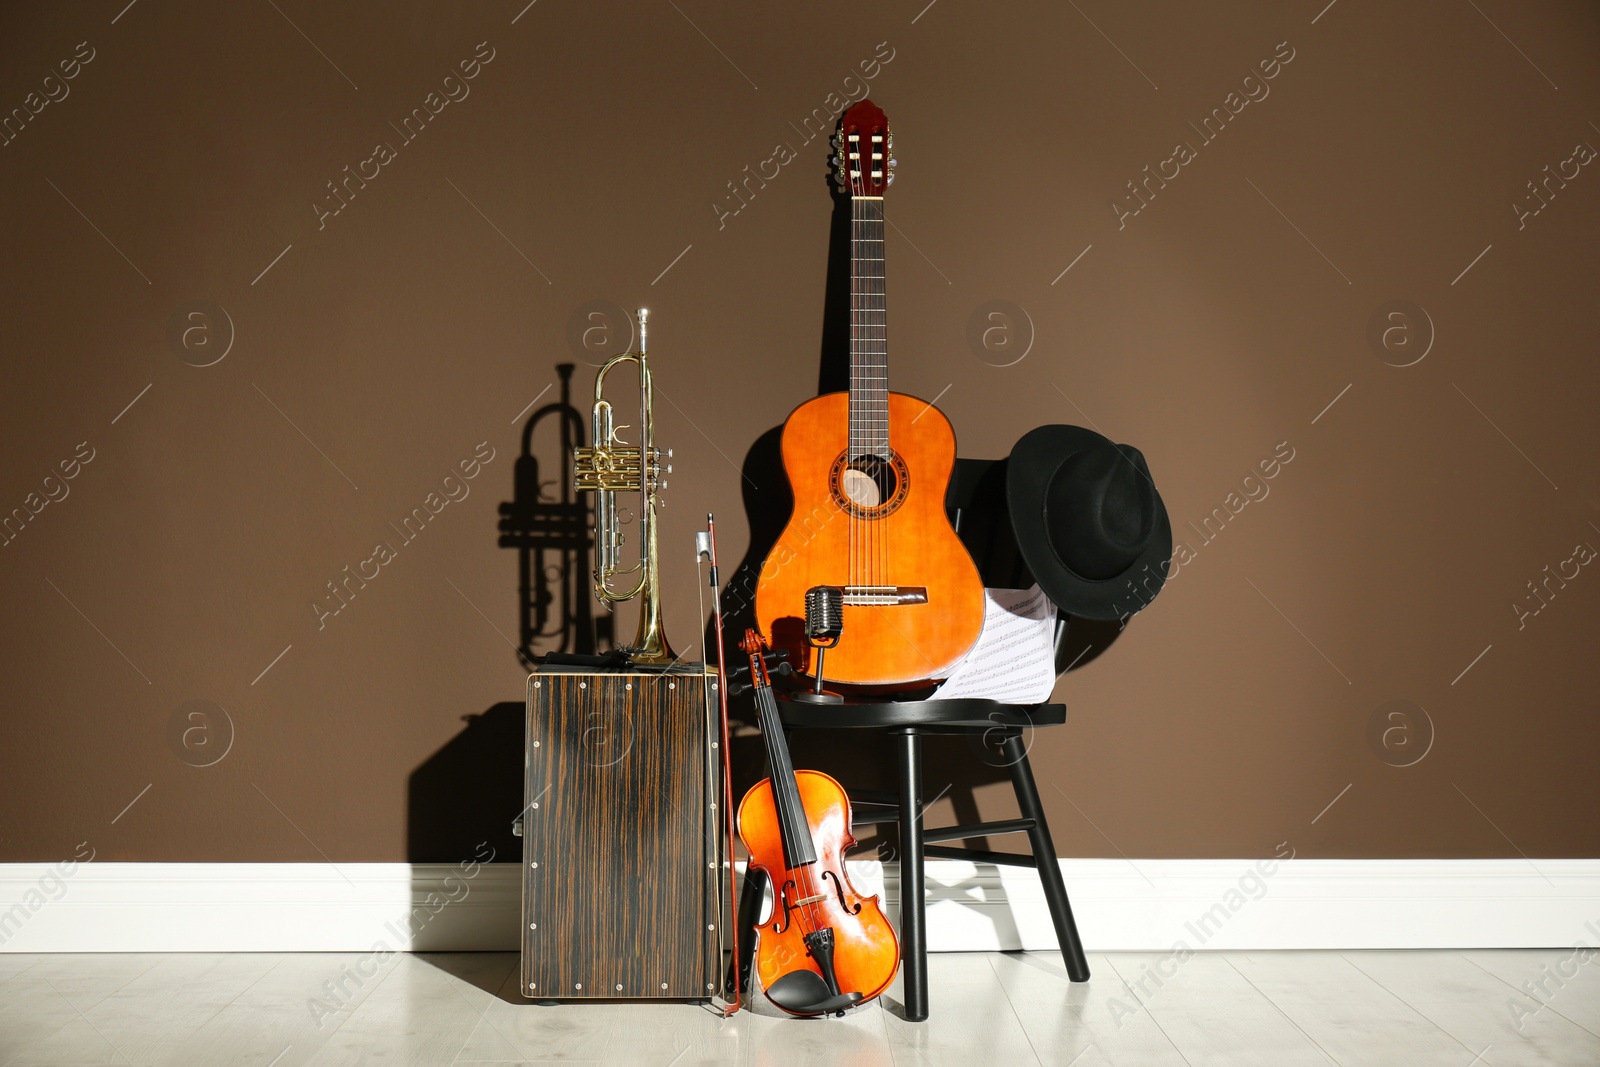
869,333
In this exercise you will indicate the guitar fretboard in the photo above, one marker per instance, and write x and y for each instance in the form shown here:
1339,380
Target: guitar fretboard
869,334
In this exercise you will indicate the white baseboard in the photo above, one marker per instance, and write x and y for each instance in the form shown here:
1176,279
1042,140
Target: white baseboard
1119,904
1149,905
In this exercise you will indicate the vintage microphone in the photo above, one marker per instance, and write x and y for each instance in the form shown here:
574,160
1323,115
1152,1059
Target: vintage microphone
824,624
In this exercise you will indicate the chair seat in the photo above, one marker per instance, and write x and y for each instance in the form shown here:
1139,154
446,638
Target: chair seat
967,713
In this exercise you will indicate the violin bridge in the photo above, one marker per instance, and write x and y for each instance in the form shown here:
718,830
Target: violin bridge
803,901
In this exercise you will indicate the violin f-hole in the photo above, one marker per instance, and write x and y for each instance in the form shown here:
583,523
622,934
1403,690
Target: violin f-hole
838,887
782,906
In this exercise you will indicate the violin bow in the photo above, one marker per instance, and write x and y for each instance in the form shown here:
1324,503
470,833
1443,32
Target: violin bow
706,547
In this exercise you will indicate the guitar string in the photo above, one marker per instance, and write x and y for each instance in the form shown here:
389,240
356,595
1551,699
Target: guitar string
869,347
855,397
857,375
869,398
869,364
855,335
868,390
876,342
880,386
866,364
870,543
861,373
880,367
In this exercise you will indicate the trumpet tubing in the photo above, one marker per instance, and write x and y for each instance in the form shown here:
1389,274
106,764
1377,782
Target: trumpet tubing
610,466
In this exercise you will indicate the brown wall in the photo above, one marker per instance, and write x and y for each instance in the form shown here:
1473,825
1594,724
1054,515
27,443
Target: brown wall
393,338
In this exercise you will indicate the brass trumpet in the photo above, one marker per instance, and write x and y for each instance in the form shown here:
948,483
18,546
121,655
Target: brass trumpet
612,466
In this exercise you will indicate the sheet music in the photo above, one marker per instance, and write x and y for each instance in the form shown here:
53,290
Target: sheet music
1014,659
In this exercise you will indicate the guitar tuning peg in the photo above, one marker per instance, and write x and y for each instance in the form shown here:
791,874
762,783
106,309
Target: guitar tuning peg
893,163
890,181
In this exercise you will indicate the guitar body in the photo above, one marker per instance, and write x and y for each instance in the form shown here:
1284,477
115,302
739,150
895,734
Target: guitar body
866,953
880,526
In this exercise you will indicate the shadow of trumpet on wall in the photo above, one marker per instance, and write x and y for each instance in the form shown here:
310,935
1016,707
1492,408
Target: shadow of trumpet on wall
550,526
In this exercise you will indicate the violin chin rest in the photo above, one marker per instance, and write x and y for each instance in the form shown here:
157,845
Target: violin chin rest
804,992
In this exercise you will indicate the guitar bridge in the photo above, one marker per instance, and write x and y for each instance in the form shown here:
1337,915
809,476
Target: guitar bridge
885,594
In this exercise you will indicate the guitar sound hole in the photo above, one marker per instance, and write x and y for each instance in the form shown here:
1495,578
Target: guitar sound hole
869,486
869,481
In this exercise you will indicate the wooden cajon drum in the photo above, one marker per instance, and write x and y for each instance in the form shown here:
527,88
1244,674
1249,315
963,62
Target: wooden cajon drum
621,850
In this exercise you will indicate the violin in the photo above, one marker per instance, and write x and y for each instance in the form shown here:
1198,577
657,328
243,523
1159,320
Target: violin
823,947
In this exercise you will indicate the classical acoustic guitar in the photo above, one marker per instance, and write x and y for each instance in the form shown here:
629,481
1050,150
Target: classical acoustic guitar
869,469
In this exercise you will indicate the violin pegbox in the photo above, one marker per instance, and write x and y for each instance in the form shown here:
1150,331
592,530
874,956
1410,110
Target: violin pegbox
863,151
755,646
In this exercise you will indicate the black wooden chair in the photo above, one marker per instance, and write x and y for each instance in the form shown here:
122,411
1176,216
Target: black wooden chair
976,504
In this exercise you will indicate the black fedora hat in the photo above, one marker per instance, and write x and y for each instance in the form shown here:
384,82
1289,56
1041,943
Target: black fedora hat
1088,521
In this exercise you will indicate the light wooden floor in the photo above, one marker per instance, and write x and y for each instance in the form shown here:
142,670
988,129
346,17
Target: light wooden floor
1414,1009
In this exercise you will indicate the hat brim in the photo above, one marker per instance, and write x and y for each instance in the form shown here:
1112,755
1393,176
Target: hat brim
1033,463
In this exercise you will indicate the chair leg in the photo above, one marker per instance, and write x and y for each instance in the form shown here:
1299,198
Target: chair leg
1044,852
913,937
750,896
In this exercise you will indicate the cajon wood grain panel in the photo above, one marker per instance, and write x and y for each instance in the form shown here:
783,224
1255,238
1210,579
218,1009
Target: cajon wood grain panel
620,851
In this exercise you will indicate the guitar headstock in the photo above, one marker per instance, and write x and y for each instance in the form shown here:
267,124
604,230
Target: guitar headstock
863,151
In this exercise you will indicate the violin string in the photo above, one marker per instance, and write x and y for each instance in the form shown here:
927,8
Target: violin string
796,824
792,821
